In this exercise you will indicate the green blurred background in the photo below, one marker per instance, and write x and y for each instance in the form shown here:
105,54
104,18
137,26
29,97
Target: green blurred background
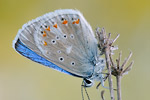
22,79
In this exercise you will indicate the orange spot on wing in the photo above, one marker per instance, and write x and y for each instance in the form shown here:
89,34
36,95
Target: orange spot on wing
48,29
44,34
55,25
65,22
45,43
77,21
73,22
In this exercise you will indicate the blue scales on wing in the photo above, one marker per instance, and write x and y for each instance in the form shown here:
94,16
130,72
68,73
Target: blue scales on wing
25,51
62,40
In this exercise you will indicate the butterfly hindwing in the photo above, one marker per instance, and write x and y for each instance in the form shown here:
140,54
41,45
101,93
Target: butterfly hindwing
25,51
63,38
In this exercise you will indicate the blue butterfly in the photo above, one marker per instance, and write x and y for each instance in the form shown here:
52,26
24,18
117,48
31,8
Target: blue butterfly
62,40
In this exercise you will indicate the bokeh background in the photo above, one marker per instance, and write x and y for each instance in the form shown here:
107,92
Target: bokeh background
22,79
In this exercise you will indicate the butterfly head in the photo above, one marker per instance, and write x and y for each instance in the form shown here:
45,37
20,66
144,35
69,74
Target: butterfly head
88,82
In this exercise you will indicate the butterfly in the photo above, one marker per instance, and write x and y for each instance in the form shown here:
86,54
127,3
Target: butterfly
64,41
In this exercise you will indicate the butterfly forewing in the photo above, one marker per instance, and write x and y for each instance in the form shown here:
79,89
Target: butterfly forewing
64,38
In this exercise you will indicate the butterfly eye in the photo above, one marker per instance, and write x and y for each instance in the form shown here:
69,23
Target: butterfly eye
61,59
87,83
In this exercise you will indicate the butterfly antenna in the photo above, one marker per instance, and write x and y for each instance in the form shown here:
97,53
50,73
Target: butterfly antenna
82,90
102,82
82,86
87,93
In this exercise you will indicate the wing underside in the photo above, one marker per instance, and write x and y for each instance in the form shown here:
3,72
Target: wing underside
62,38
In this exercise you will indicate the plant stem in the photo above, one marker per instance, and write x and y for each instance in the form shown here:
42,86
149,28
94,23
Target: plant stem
118,78
107,52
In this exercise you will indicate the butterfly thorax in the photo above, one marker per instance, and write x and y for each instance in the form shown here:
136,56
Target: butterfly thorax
97,74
